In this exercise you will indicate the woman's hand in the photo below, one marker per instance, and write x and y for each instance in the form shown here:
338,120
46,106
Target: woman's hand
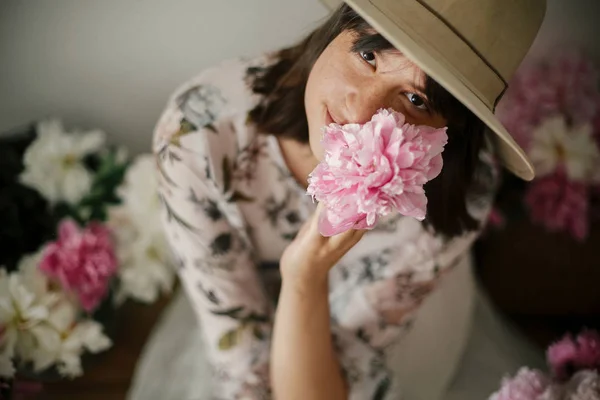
311,255
302,329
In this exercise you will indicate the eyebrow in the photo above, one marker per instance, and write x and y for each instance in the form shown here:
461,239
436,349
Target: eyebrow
371,43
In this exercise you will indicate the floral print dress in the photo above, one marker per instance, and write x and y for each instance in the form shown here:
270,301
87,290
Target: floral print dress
231,206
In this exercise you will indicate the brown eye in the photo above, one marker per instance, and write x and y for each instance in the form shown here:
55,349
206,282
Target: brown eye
416,101
369,57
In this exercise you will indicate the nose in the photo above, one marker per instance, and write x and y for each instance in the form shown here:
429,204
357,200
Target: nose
363,98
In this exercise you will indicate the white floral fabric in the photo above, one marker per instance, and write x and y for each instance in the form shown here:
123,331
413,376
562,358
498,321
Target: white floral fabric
231,206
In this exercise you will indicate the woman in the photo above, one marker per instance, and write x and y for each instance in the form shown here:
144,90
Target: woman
234,149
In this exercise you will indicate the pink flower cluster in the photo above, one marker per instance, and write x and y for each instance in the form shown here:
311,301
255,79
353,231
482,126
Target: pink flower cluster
559,204
526,385
569,355
565,84
574,363
82,260
568,85
375,168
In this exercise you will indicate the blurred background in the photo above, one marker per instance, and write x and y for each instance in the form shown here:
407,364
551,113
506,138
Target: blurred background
112,64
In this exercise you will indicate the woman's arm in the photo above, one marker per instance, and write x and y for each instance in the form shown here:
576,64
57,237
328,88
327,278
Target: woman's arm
216,264
304,364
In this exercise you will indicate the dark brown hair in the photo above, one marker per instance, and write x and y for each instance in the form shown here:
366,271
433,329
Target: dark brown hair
281,112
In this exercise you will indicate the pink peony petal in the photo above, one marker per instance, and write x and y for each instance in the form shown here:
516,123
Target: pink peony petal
526,385
82,260
373,169
559,204
569,355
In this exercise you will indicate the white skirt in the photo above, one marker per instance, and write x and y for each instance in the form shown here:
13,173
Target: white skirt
459,348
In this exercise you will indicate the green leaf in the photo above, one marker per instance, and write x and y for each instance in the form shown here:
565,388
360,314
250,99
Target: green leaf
229,339
226,174
239,196
232,312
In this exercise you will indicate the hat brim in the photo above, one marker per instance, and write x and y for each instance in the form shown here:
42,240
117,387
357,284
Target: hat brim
417,50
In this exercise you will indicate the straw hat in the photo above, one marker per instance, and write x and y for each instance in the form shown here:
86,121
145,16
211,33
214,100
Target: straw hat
470,47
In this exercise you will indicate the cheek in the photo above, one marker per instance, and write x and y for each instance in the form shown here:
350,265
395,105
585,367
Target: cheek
314,103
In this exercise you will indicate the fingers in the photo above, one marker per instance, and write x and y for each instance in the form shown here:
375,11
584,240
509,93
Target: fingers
346,240
340,242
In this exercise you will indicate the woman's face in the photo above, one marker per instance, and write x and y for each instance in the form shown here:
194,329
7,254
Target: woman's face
348,87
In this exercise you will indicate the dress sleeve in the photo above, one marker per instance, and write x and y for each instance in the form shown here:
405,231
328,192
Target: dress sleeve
380,294
194,148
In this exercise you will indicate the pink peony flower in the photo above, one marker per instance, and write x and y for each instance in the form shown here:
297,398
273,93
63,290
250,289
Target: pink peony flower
526,385
373,169
559,204
82,260
566,84
568,356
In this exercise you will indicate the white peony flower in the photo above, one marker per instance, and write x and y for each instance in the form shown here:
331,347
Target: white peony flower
139,192
39,324
7,343
554,143
62,340
53,162
20,312
35,280
144,256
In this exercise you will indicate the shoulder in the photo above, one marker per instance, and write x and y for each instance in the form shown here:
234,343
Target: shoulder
222,87
215,100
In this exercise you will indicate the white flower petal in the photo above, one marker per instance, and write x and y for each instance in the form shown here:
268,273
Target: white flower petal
43,360
53,162
47,338
26,346
555,143
62,316
89,142
92,337
49,127
8,342
23,300
70,365
76,182
31,276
